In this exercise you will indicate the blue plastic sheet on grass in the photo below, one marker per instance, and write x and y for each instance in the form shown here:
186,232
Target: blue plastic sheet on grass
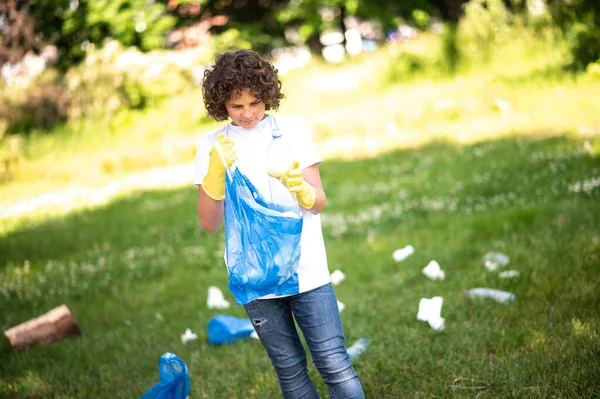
262,242
174,379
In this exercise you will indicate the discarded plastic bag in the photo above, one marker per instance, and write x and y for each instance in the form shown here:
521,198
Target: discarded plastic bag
174,379
223,329
262,242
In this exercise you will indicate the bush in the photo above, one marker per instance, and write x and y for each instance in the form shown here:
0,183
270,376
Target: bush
40,106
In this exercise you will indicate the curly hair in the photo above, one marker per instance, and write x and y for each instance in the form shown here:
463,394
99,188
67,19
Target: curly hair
233,72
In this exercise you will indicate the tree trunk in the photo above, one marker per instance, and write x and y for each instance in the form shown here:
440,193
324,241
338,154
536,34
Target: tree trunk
53,326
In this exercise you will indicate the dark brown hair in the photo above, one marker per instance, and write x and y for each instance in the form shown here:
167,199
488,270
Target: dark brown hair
233,72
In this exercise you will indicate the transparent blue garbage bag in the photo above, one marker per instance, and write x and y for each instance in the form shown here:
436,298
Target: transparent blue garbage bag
223,329
174,379
262,242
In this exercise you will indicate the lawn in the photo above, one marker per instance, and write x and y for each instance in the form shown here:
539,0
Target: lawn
136,271
503,157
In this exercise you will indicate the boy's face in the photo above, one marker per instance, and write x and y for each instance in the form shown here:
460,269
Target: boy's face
245,110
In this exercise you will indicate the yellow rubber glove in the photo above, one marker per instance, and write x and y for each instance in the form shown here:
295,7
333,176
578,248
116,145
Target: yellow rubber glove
305,193
214,181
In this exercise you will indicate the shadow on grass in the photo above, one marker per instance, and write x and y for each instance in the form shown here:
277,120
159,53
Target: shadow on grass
136,271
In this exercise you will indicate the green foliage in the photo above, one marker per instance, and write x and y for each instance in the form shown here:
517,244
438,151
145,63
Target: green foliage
580,21
113,78
72,25
485,25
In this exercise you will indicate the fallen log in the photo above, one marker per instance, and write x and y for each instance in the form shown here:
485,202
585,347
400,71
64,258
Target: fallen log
55,325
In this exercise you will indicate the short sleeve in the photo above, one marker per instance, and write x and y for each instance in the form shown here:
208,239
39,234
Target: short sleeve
304,148
202,157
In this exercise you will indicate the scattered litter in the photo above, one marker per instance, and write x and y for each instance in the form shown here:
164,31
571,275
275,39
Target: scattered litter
493,260
337,277
174,379
223,329
357,348
497,295
400,254
341,306
509,274
188,336
254,335
216,300
430,310
433,271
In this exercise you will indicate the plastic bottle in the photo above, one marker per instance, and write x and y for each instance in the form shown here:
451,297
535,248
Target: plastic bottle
497,295
357,348
280,159
174,379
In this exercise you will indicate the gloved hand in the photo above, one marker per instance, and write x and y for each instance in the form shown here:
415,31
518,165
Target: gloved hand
305,193
214,181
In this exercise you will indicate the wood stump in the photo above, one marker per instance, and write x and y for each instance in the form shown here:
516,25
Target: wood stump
52,326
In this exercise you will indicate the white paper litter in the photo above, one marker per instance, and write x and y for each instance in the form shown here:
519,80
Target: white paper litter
430,310
509,274
400,254
188,336
216,300
433,271
341,306
254,335
337,277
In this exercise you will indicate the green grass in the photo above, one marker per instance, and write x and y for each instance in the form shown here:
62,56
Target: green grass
502,157
135,273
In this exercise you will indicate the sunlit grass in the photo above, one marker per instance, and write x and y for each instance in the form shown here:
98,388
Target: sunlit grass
354,110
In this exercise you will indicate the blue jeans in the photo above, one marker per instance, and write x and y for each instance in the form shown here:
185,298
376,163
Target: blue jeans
317,315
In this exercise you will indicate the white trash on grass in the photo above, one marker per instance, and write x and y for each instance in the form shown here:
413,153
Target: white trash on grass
430,310
509,274
188,336
216,300
337,277
497,295
341,306
493,260
434,271
400,254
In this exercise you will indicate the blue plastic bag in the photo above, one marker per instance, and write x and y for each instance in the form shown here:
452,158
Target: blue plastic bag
174,379
262,242
223,329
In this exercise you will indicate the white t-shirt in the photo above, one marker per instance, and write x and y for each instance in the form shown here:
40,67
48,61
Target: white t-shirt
251,147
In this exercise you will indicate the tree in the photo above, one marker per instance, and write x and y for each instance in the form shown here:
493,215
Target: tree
580,22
